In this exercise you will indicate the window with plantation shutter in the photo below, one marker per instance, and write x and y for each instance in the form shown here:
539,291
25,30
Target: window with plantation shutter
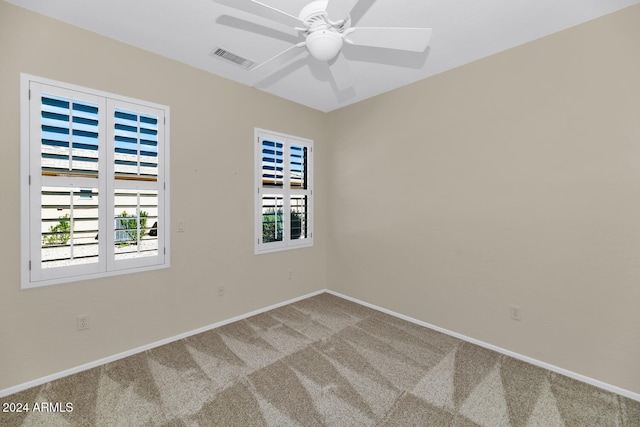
284,201
94,175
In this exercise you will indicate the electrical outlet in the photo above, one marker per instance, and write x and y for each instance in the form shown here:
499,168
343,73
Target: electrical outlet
516,312
220,291
82,322
290,274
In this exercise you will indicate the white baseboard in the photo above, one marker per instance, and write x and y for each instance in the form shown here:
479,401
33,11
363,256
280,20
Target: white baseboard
103,361
544,365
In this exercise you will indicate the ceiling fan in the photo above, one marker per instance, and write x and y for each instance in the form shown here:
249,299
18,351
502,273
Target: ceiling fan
325,26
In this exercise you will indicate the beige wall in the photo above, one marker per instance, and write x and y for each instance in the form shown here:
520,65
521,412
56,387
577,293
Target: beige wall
212,125
512,180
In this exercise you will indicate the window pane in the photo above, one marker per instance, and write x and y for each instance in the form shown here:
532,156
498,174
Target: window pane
69,137
69,226
272,220
299,217
298,166
135,224
135,145
272,164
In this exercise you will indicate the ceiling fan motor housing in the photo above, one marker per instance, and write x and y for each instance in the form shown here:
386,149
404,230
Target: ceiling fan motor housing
323,39
310,12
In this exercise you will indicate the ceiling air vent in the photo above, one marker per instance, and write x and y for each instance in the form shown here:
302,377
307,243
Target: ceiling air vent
232,57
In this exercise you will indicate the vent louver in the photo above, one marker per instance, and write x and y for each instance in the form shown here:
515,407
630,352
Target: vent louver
232,57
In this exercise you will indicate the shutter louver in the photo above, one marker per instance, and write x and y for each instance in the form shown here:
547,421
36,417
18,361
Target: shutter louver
136,146
69,137
272,164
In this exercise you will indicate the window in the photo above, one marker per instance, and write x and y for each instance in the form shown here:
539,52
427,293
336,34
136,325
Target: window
95,198
284,201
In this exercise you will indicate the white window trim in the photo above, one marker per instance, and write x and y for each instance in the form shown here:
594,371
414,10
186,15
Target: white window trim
286,243
28,204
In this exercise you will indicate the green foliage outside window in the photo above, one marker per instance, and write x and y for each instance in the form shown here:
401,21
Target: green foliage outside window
272,225
128,224
59,233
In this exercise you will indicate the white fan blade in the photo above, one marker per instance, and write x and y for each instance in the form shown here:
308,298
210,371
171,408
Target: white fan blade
261,9
341,72
340,9
410,39
280,59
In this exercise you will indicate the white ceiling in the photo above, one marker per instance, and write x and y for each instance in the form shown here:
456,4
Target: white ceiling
188,31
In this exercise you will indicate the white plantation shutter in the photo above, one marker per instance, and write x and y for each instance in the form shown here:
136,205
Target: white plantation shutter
66,129
95,200
284,192
136,178
300,193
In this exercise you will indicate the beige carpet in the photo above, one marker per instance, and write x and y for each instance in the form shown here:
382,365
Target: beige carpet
323,361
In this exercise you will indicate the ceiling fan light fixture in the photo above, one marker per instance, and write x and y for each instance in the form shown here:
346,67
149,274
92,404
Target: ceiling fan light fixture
324,45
